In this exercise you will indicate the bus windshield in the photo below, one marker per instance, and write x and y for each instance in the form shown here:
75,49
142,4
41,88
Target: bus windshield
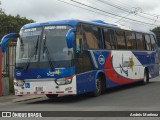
44,46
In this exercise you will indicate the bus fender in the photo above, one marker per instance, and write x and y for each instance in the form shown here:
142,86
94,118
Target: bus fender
98,73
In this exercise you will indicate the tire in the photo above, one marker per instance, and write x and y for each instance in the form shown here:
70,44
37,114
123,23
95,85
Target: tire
52,95
98,90
146,77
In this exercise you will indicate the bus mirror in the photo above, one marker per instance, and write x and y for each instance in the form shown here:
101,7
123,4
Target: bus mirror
6,39
70,36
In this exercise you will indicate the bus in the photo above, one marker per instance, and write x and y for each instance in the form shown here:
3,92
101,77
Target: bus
73,57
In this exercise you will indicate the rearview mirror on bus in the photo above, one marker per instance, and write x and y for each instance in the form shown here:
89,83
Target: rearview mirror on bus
6,39
70,36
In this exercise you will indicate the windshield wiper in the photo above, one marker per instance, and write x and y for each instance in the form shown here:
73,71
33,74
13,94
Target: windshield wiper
45,49
35,49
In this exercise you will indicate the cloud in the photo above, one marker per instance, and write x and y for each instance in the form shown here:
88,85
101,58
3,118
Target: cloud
46,10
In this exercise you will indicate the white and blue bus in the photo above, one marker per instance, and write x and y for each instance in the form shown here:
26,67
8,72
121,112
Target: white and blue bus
76,57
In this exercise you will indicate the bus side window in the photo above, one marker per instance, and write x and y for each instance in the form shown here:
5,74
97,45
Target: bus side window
131,41
79,38
152,42
140,41
91,38
121,44
148,42
83,61
109,39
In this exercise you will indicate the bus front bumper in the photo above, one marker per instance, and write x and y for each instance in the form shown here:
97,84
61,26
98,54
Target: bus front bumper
44,86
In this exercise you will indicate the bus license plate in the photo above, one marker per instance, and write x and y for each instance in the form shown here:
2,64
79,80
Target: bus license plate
39,89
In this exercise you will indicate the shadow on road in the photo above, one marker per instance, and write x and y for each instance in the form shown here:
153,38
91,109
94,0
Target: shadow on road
78,98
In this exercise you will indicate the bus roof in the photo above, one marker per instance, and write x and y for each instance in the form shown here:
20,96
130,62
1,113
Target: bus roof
74,22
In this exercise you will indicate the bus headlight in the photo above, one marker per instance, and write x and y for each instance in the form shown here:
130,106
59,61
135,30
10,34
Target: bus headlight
18,82
64,81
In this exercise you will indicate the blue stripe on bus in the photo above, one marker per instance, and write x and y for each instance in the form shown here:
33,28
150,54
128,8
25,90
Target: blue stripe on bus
33,73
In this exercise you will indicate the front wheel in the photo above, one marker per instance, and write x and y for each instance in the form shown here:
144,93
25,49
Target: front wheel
52,95
98,90
146,77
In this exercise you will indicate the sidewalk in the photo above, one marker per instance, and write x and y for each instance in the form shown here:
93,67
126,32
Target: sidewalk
13,98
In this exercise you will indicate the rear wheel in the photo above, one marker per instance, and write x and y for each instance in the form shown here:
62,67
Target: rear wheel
52,95
98,90
146,77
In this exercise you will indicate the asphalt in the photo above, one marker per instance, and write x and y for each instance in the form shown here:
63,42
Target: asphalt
134,97
14,98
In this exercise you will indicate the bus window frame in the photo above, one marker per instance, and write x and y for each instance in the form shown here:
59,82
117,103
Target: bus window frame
116,39
113,39
150,49
133,33
155,40
100,37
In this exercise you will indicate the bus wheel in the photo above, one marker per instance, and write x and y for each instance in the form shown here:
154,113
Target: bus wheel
98,90
52,95
146,77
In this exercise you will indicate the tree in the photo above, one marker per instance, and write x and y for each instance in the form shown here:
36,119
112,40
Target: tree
1,11
9,23
157,33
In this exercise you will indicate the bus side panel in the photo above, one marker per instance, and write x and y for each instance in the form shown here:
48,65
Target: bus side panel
86,82
122,67
148,59
155,64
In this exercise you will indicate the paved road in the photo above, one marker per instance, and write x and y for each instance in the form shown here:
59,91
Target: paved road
134,97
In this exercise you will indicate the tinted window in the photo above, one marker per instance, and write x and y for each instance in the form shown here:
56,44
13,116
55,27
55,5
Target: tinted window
131,41
120,40
148,42
140,41
152,42
83,60
91,37
109,39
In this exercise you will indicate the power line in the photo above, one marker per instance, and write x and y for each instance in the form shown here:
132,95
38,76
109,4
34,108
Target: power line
99,13
86,9
120,8
123,17
126,5
111,13
126,10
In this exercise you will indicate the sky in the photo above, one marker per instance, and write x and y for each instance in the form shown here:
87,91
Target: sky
146,11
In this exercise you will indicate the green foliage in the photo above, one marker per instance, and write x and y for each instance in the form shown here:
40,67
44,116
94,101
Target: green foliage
9,23
157,33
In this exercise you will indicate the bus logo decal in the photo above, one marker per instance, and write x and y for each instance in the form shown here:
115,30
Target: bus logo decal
131,63
18,73
124,64
101,59
53,73
122,70
128,64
